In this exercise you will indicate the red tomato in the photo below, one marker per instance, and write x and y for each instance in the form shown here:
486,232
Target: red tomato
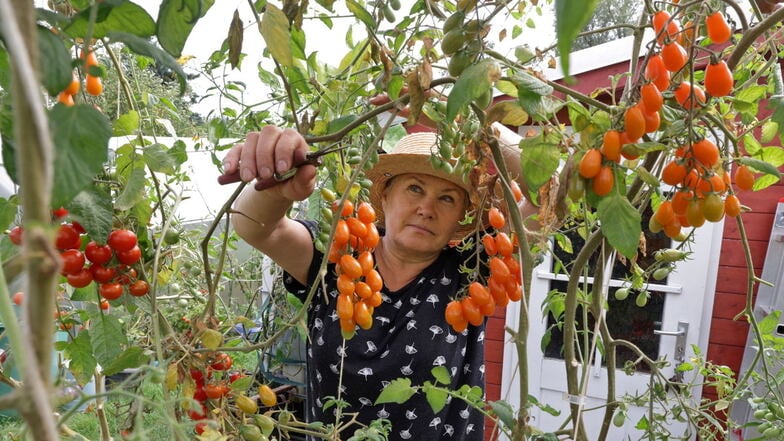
73,261
18,298
15,235
122,240
139,288
222,362
67,237
99,254
110,291
60,212
102,274
131,256
80,279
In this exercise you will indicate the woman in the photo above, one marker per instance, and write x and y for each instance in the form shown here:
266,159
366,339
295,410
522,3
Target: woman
420,209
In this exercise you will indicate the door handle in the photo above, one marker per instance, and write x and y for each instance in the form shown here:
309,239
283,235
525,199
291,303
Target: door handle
680,339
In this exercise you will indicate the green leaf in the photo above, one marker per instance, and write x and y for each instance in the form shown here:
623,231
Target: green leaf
126,124
397,391
769,324
8,210
436,397
144,47
5,70
773,155
475,394
86,294
751,145
133,191
81,139
642,424
504,411
130,358
157,158
361,13
472,83
441,374
274,29
92,208
112,16
79,353
108,338
176,19
539,159
339,123
620,223
571,16
761,166
55,61
776,104
243,383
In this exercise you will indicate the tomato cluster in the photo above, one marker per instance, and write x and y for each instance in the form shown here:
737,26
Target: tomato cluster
109,265
503,285
92,83
359,283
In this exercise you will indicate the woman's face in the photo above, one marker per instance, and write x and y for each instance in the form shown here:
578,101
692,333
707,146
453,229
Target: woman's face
421,212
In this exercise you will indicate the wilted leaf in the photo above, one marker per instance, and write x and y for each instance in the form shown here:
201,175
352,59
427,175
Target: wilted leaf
274,28
236,33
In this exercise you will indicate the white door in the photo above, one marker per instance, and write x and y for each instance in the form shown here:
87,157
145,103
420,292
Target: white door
683,299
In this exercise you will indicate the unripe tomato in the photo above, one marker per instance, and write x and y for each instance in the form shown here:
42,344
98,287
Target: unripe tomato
246,404
713,208
267,396
694,213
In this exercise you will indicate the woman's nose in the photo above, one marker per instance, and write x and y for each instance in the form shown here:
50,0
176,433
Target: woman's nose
426,207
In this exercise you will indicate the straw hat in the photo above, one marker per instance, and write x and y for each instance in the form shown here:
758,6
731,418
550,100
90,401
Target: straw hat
412,155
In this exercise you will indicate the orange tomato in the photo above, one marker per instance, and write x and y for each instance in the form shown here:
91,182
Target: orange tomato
688,95
363,290
454,312
374,280
345,308
366,213
611,145
65,99
652,121
479,293
362,315
657,73
372,237
73,87
634,122
345,210
375,300
674,56
590,163
516,191
496,218
489,243
350,266
356,227
673,173
717,28
732,206
342,233
471,311
503,243
345,285
744,178
603,182
498,291
718,79
659,21
680,201
498,270
513,290
651,97
93,85
664,215
706,152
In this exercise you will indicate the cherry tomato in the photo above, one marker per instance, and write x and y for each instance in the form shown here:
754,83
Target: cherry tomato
222,362
479,293
345,307
366,213
373,279
356,227
93,85
718,79
689,95
503,243
713,208
267,396
199,412
498,270
18,298
744,178
15,235
99,254
717,27
215,391
496,218
674,56
657,73
664,215
67,237
454,312
673,173
706,152
659,21
603,182
65,99
488,241
131,256
102,274
73,261
372,237
651,97
590,163
364,291
732,206
110,291
498,291
104,305
516,191
611,144
471,311
342,233
652,121
122,240
362,315
80,279
61,212
350,266
345,285
634,122
139,288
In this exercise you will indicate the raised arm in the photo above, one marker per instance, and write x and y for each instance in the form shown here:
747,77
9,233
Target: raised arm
260,216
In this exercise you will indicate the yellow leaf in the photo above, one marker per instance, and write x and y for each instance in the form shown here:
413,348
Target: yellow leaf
274,28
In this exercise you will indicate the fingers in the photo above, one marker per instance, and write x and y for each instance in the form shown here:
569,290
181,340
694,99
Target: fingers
265,152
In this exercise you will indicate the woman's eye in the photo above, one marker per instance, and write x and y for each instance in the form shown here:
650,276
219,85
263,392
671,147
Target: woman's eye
449,199
415,188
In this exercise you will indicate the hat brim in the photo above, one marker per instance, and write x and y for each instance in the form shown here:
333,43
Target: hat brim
395,164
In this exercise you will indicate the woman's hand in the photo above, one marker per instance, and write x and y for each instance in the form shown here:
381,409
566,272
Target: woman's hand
267,152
